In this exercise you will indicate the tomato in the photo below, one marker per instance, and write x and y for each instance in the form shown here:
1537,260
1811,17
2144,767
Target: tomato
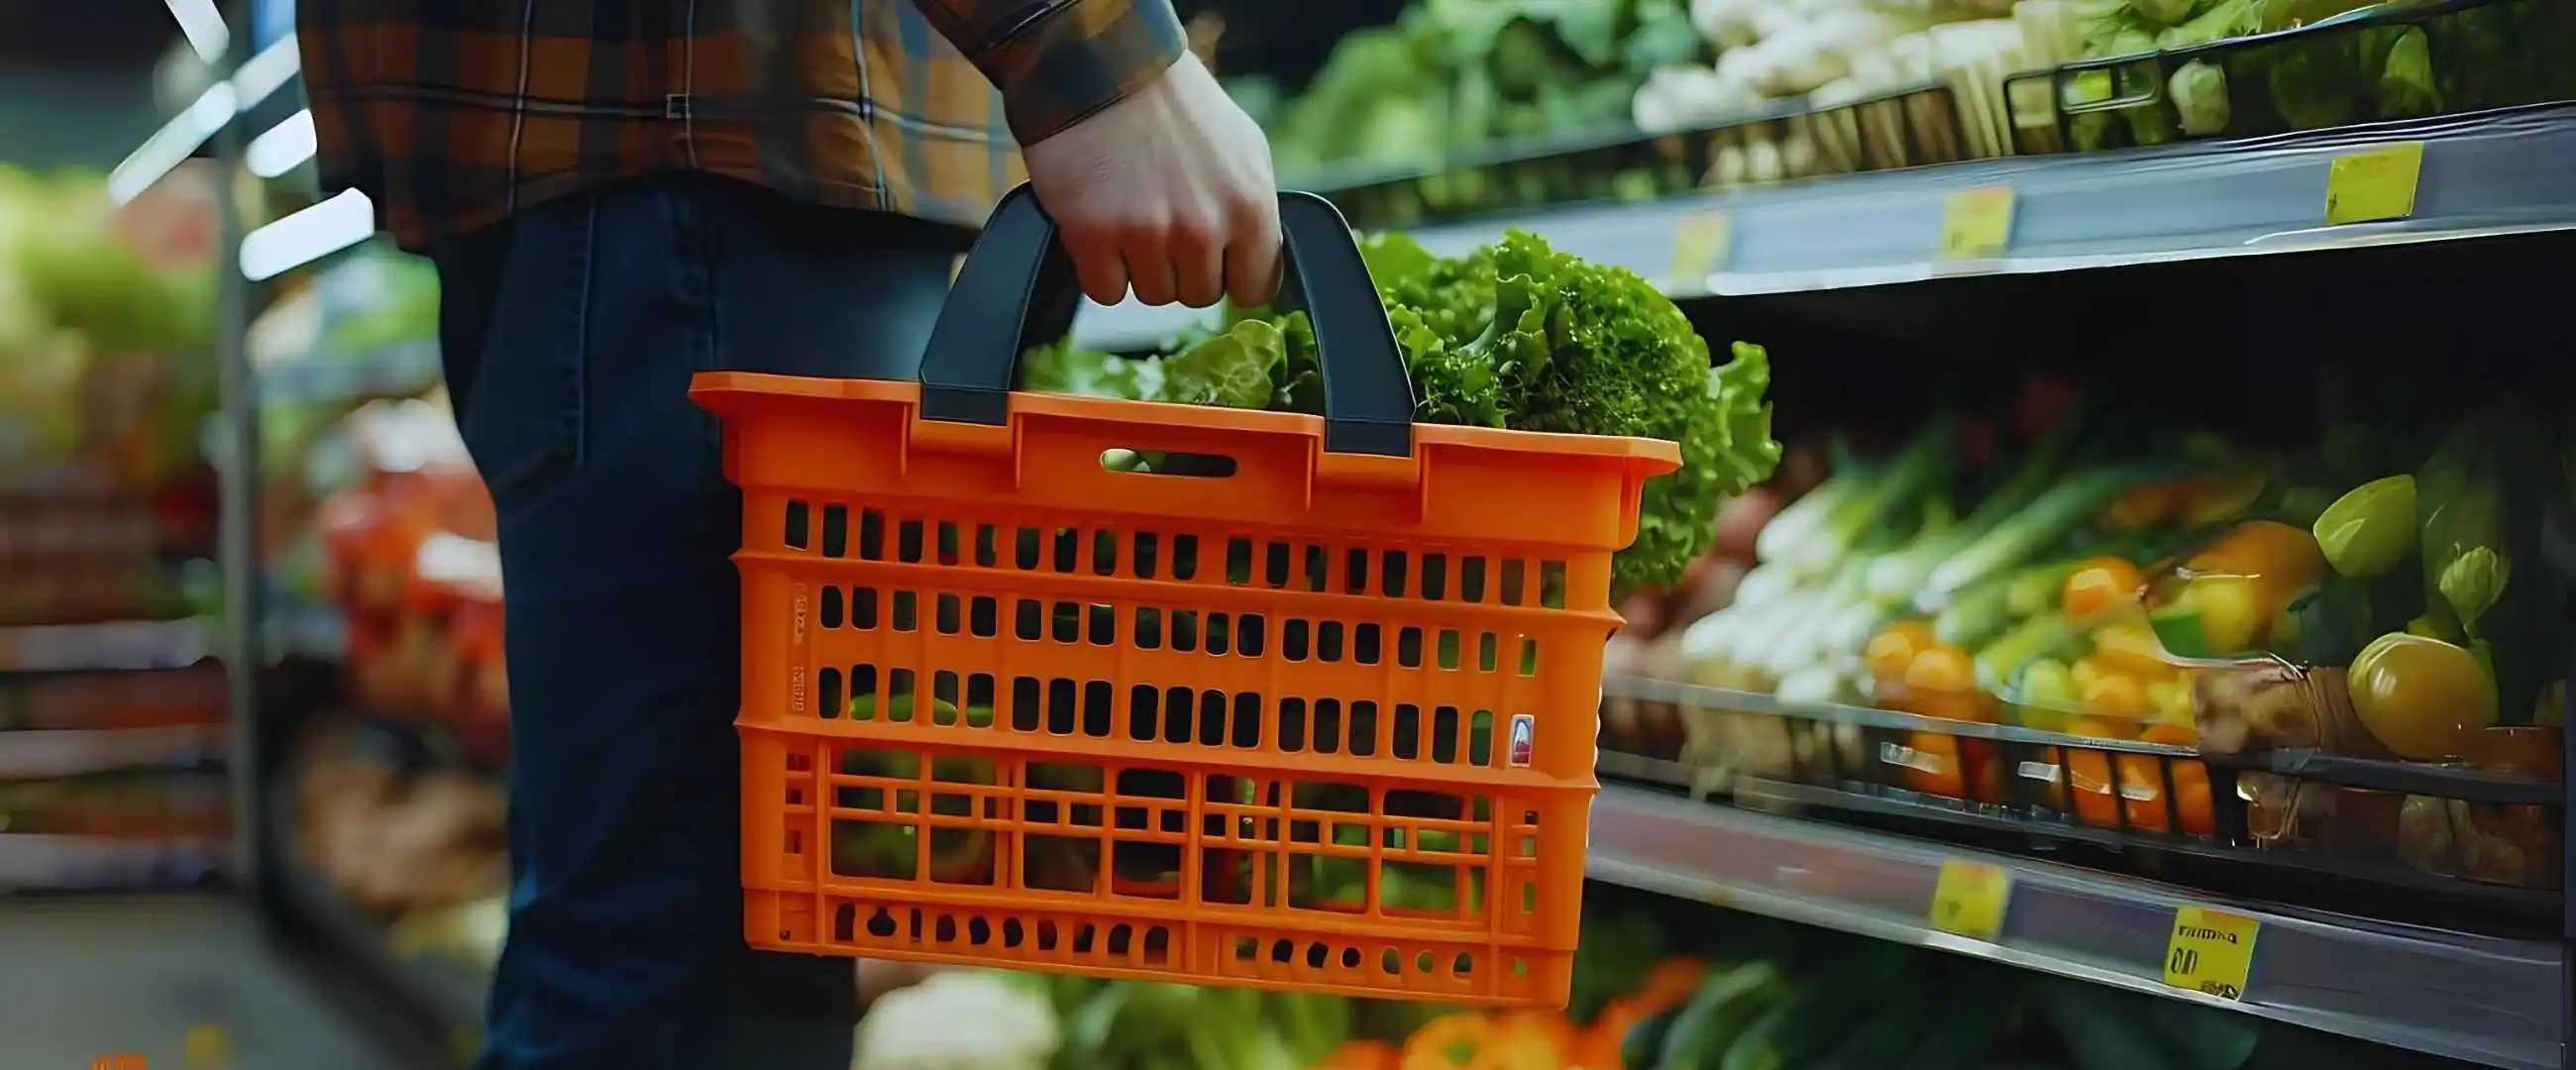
2116,696
2088,785
2255,548
2173,707
2423,698
2281,559
1941,681
1941,669
1953,768
2145,506
1894,648
2100,586
2131,647
2142,795
2083,673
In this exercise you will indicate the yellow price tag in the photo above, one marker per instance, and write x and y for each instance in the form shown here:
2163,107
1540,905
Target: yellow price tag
1700,244
2375,185
464,1042
2210,952
1969,899
1977,223
208,1046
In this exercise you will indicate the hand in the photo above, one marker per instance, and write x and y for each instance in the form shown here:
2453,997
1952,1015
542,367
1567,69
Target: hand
1168,190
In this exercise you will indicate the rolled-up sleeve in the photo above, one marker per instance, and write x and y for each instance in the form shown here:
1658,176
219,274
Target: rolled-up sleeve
1058,61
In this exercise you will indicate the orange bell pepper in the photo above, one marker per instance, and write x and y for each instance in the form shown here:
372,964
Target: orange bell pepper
1950,767
1521,1040
1669,984
1362,1055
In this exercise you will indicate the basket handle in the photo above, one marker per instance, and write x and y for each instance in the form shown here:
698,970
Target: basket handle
1017,290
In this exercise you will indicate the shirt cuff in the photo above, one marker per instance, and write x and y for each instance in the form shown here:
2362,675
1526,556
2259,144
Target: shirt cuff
1078,57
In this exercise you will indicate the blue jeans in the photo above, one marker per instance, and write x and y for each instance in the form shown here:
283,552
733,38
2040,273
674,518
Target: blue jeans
570,333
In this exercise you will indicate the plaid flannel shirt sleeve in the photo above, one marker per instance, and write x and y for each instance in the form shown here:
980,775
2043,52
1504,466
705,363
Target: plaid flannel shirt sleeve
1058,61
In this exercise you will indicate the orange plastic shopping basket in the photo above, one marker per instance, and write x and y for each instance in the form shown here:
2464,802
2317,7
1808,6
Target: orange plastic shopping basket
1308,705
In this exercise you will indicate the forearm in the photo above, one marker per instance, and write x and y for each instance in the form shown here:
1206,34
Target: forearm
1058,61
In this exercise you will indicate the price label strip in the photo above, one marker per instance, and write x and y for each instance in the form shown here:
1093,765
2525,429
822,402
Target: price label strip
2210,952
1977,223
1969,900
1701,242
2372,186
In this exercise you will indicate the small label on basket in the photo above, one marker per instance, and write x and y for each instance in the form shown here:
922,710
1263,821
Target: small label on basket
1969,899
1524,742
2211,952
2374,185
801,601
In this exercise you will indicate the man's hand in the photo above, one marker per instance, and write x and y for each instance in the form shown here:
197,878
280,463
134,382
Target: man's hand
1168,190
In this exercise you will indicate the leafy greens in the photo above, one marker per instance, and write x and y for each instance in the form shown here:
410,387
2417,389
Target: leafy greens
1514,335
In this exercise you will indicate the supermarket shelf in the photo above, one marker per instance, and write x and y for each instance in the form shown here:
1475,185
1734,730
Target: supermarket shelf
448,996
71,752
2495,173
31,862
320,380
2492,1002
306,630
173,644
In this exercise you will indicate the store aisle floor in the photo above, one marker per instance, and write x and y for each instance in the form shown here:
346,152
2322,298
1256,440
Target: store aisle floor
85,977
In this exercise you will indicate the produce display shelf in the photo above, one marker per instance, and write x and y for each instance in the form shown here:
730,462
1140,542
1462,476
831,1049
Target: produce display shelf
29,755
2483,175
39,862
2487,1001
319,379
172,644
445,997
319,632
440,996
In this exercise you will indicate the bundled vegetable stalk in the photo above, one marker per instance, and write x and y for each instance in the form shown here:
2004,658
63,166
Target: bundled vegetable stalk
2471,58
1447,77
1515,335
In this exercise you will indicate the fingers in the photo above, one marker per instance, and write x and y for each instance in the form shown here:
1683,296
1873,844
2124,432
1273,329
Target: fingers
1192,257
1148,253
1198,260
1098,263
1252,256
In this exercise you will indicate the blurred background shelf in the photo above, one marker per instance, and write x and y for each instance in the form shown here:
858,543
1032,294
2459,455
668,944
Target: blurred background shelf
71,752
129,645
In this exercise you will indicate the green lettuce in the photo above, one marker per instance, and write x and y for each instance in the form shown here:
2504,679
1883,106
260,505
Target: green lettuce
1515,335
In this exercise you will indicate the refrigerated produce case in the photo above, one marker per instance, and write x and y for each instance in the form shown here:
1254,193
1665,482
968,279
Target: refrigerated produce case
2088,867
113,722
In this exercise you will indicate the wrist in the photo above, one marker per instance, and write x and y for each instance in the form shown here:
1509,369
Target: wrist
1080,57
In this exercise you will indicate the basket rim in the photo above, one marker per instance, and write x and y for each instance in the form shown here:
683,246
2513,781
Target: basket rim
1652,456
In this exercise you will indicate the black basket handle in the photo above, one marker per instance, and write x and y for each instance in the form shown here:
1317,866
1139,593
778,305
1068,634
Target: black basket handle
1017,290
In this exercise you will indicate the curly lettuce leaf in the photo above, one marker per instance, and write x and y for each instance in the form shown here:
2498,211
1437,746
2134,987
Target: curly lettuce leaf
1063,368
1232,370
1594,349
1514,335
1450,385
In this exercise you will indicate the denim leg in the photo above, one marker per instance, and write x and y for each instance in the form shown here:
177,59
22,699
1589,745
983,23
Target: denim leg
571,334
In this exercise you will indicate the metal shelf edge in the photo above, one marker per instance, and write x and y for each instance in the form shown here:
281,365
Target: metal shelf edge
2486,1001
135,645
2488,174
